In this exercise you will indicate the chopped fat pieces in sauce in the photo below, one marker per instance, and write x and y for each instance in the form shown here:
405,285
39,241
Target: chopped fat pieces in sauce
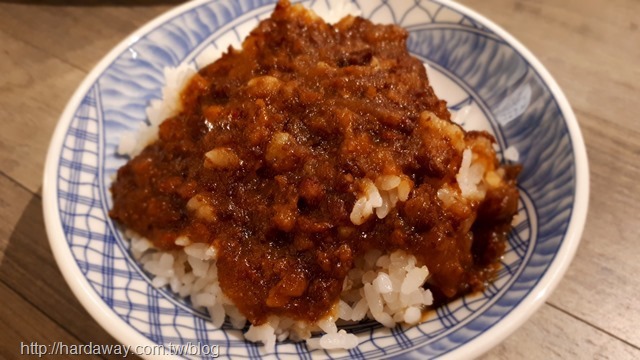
311,145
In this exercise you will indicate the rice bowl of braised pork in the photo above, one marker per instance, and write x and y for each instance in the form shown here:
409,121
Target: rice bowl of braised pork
359,179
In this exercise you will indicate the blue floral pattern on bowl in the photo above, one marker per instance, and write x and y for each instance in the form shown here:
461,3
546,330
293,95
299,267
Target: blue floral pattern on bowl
482,71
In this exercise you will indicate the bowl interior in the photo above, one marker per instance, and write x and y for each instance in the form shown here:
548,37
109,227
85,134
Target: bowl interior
471,65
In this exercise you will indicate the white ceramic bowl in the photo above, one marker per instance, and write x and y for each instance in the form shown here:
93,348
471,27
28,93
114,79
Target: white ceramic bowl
473,64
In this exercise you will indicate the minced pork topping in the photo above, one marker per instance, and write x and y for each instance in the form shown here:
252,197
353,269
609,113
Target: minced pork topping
310,146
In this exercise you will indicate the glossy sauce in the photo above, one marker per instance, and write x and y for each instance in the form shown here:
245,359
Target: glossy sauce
294,120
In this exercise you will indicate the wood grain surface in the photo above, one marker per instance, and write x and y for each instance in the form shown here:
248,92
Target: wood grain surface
591,47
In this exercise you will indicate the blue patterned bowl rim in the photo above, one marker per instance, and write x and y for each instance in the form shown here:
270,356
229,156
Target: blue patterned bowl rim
105,316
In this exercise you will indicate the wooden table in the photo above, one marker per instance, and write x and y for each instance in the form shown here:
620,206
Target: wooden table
592,47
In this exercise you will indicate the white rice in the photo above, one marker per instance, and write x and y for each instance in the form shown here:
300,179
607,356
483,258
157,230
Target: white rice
176,79
387,288
511,154
380,197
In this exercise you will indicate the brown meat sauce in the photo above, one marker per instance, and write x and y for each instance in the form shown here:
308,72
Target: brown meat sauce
289,124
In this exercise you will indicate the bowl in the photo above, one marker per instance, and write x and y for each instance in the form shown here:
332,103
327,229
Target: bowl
489,80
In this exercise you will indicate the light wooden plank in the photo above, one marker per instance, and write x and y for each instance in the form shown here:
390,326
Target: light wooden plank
44,60
89,30
590,47
592,50
24,328
10,208
552,334
27,267
34,87
600,286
